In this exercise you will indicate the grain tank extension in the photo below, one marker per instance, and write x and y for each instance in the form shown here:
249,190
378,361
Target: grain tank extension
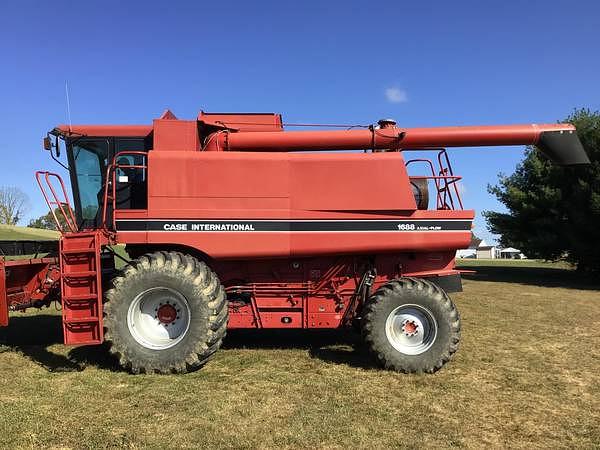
231,221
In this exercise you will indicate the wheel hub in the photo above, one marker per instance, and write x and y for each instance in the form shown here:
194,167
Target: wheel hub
409,327
159,318
166,314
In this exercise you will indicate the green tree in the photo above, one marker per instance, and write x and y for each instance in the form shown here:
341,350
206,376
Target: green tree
554,212
47,221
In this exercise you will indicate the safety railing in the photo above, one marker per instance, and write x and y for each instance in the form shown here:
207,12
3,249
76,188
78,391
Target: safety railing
55,202
110,187
447,192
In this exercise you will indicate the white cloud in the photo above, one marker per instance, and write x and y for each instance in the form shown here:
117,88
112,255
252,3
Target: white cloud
396,95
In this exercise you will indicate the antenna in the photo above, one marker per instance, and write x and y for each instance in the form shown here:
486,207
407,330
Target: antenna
68,104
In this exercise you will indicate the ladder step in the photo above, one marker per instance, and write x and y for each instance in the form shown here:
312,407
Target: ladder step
82,320
77,340
79,297
80,234
82,274
82,251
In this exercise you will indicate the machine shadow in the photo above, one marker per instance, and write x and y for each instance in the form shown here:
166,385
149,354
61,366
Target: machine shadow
338,346
536,276
33,335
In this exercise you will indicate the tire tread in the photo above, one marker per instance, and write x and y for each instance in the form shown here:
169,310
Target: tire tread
388,296
198,274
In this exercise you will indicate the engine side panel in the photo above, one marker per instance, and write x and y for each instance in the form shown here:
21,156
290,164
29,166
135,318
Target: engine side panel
262,205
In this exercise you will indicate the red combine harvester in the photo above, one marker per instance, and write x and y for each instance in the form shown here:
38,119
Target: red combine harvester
227,227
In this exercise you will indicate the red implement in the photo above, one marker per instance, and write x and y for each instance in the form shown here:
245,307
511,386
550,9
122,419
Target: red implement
229,222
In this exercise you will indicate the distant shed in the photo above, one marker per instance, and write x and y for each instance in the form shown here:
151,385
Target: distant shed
485,251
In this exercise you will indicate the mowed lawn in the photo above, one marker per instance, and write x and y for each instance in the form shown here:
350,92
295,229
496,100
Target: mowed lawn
14,233
527,375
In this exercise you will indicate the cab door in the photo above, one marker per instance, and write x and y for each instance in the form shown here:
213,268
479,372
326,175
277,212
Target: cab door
131,177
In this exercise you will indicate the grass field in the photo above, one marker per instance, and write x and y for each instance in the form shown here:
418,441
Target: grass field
527,375
13,233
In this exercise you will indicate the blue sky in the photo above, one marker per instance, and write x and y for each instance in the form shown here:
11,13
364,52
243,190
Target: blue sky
422,63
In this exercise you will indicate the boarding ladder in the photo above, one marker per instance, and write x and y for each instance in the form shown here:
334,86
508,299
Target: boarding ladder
80,266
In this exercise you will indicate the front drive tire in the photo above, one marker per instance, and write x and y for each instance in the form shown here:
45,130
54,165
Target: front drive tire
166,313
410,325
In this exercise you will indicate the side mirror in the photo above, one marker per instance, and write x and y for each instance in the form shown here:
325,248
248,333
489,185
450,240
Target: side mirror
47,143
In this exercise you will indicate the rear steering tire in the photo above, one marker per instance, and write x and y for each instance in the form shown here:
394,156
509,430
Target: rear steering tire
411,325
166,313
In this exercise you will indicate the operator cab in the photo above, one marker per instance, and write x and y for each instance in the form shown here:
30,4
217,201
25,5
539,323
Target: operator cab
88,158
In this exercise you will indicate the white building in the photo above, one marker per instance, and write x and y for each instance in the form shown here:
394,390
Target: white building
485,251
511,253
469,252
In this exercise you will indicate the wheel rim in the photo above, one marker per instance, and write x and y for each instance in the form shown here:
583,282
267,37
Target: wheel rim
411,329
159,318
